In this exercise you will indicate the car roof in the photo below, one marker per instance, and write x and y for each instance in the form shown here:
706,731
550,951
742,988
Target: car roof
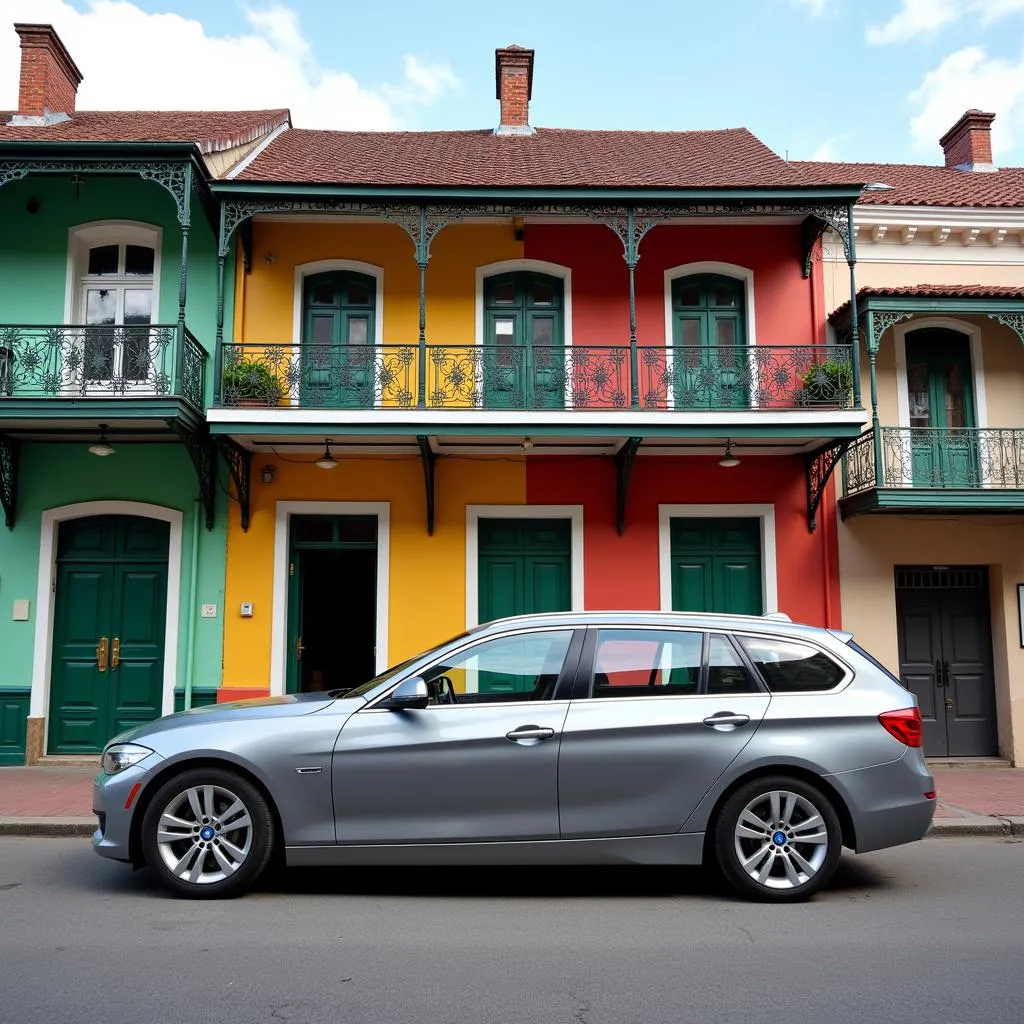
771,623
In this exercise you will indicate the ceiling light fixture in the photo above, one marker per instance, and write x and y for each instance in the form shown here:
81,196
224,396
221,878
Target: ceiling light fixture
527,444
728,459
327,460
101,447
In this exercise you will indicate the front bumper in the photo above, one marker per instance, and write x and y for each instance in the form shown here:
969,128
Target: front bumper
887,801
110,793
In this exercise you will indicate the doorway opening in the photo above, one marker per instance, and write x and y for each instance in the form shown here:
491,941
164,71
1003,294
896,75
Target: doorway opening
332,602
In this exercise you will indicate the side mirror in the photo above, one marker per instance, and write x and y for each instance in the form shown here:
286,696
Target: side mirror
410,693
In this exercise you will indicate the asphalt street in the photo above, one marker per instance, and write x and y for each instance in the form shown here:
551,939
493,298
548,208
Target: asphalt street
931,932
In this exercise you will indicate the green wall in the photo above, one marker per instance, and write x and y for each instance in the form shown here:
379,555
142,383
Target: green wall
60,474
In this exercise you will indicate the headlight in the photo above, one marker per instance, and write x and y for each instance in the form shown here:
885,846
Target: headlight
122,755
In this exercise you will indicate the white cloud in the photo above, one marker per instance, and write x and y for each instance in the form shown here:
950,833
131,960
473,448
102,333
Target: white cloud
965,79
134,60
815,8
923,18
827,150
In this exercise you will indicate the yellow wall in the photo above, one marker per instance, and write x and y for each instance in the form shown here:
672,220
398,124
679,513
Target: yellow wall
871,546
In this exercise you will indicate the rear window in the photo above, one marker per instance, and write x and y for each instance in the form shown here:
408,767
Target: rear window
789,666
853,645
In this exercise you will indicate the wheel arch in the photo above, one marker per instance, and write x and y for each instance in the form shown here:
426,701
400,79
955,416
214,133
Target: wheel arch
168,772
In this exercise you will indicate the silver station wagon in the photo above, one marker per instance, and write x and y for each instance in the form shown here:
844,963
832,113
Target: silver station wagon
749,743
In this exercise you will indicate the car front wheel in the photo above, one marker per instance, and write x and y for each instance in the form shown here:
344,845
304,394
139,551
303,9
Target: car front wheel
778,839
208,834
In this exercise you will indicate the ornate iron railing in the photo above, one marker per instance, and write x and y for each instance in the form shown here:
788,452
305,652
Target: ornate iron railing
932,457
759,377
77,361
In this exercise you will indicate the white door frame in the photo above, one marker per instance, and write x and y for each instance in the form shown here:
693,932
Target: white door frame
46,587
279,613
765,513
474,513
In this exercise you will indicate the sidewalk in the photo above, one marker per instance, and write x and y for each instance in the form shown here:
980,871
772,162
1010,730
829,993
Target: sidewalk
57,801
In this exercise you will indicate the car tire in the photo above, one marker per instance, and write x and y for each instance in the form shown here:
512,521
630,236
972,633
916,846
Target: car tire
208,834
777,839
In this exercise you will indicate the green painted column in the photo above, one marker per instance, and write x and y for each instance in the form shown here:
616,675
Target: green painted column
876,433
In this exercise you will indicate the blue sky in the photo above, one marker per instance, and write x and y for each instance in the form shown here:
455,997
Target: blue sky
840,79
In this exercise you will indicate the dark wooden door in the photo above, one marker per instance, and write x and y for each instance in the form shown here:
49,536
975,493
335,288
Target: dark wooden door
716,565
109,630
945,648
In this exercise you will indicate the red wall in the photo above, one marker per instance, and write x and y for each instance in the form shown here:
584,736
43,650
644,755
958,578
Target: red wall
623,571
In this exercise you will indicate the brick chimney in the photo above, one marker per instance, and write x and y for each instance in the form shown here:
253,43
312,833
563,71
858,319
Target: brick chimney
513,76
968,144
49,77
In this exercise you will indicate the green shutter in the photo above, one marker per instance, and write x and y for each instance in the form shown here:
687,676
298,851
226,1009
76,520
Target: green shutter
716,565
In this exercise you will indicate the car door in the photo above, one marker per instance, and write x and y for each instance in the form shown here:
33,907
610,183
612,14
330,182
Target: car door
482,769
657,716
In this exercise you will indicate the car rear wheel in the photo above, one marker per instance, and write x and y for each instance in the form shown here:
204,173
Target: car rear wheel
208,834
778,839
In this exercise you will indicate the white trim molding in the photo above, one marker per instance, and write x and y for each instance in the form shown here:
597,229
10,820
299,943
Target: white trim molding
733,270
520,265
284,510
769,560
474,513
46,586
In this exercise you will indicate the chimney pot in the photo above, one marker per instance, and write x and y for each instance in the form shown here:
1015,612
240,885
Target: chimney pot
513,77
49,77
967,146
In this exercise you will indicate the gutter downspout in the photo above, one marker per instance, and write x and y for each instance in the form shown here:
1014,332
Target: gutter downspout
190,636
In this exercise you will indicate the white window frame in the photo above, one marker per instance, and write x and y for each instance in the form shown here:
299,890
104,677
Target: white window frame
769,549
304,270
82,238
733,270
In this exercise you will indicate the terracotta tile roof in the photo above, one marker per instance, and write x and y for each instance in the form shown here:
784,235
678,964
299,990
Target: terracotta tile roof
934,291
551,158
213,130
923,184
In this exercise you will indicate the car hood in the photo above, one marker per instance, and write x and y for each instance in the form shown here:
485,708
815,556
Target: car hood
288,706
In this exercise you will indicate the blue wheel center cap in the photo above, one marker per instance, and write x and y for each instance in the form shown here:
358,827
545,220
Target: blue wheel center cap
207,833
779,838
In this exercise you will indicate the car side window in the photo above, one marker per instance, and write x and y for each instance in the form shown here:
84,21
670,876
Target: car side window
726,672
647,663
524,666
788,666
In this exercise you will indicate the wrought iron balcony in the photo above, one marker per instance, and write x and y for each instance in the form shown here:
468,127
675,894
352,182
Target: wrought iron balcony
499,377
101,362
907,468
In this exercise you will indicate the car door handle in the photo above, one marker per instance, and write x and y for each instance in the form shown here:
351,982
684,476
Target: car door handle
529,732
726,718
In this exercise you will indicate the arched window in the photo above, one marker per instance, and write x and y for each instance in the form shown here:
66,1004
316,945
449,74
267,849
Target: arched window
524,330
338,331
708,339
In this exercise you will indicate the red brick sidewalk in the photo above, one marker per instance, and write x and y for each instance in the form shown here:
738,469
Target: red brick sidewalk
51,792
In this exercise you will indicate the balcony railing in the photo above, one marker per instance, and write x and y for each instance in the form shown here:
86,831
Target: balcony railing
927,457
748,377
74,361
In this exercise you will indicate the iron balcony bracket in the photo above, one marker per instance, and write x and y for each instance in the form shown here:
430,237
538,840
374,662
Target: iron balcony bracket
203,453
624,459
810,232
429,457
239,461
819,467
10,449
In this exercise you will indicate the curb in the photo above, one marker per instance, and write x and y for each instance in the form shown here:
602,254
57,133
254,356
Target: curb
977,825
53,828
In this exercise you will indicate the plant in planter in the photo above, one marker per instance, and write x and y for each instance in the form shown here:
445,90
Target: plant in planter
829,381
249,383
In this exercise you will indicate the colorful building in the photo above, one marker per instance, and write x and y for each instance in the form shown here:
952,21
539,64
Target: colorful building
931,537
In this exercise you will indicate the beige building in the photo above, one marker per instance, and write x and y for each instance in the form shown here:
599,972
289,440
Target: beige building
931,496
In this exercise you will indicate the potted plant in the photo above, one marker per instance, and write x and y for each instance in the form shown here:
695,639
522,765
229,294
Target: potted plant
829,381
246,382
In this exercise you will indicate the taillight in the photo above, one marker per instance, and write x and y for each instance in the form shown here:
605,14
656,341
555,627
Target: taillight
905,725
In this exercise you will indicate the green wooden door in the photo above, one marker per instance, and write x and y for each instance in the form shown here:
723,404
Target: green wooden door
524,356
109,630
524,568
716,565
943,450
339,358
708,338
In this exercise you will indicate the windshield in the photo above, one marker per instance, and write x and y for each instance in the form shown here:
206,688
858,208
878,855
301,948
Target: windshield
372,684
